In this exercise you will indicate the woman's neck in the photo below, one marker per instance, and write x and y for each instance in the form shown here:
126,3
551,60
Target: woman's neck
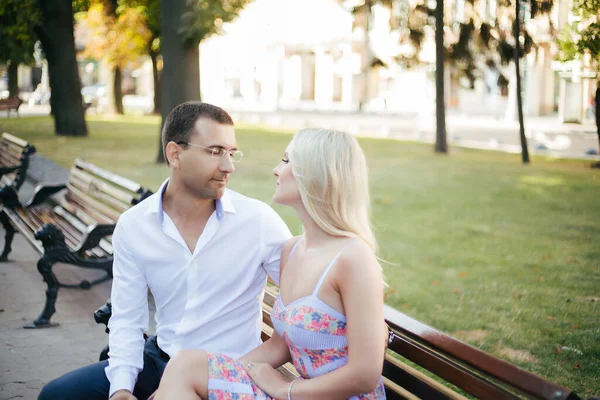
314,236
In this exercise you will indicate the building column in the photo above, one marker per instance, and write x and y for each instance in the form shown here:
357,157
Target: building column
347,62
323,78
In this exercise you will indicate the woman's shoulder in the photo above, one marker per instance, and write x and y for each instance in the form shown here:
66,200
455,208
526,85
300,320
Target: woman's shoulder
287,247
358,258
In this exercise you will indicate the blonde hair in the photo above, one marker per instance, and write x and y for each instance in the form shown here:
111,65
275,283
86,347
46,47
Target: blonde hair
332,176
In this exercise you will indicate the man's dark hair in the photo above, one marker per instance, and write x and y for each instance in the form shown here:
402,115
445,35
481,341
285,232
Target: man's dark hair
181,120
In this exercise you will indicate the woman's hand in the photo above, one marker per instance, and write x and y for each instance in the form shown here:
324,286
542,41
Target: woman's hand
268,379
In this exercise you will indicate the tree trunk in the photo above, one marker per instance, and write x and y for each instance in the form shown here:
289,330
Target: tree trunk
118,92
13,79
180,77
441,144
156,75
56,35
517,33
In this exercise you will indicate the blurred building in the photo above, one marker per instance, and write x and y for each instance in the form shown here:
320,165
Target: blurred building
313,55
318,55
282,54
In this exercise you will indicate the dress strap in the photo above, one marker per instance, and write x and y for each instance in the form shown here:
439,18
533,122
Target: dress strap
331,264
294,247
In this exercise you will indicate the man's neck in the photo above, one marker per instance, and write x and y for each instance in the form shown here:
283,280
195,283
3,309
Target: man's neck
180,203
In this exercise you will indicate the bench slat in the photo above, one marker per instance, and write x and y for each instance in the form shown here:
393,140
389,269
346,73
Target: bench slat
82,228
448,369
13,139
9,159
394,391
416,382
29,220
124,197
13,148
116,179
483,363
86,201
76,210
24,229
87,215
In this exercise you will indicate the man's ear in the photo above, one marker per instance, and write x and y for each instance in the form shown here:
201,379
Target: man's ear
172,153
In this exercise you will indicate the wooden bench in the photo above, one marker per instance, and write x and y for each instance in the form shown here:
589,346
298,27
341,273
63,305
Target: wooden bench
11,103
14,160
461,370
73,227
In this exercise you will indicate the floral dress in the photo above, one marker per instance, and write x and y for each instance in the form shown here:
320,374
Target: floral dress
316,336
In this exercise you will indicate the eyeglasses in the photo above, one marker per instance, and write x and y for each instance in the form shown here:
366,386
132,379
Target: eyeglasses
218,152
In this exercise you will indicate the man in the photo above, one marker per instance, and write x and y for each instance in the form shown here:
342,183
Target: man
204,252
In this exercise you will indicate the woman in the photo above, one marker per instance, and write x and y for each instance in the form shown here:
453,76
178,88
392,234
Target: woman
328,318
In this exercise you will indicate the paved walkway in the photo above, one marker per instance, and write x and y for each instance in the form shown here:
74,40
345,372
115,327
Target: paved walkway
31,358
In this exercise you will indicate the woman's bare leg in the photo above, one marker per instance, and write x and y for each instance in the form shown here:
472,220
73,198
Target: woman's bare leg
186,377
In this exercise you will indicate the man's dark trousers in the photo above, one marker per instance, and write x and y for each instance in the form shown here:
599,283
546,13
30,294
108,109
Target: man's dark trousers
90,383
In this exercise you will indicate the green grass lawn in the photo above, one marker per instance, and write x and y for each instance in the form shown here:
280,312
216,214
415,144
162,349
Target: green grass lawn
503,256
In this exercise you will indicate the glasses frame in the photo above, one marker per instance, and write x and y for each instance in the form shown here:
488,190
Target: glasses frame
217,150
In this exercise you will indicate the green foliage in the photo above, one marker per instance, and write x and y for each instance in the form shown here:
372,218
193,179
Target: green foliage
17,19
588,8
567,46
81,5
477,39
590,40
460,54
149,8
582,37
122,38
206,17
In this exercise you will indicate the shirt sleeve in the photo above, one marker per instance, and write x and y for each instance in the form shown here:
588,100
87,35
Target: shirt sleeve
129,320
274,233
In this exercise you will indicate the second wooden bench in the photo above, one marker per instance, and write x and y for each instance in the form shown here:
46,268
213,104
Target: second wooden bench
74,226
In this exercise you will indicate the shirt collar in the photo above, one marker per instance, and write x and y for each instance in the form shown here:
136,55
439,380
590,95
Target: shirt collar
155,204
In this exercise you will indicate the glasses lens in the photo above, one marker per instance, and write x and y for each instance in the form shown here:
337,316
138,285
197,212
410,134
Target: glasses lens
237,156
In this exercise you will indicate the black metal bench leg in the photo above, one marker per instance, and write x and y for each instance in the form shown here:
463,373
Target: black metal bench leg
8,237
43,321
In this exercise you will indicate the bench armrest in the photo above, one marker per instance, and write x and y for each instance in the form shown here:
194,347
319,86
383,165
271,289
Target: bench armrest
9,197
7,170
94,235
42,192
102,315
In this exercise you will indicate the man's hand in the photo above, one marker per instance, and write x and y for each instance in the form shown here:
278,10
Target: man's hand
123,395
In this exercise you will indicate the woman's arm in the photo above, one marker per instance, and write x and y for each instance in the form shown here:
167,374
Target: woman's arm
274,352
358,278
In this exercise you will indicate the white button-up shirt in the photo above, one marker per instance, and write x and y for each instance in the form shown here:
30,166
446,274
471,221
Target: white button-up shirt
209,299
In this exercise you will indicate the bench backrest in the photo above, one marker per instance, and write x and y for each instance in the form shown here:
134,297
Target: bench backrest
11,101
475,372
461,366
14,159
96,196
